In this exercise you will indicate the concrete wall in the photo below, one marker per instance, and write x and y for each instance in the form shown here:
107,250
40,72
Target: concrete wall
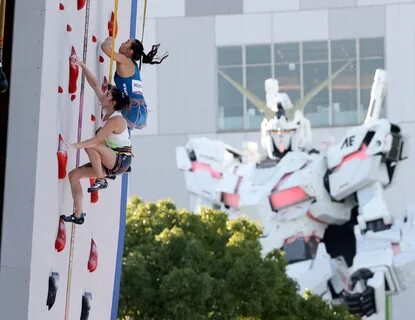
34,197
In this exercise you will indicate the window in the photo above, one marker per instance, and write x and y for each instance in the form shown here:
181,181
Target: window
316,70
344,85
371,55
343,69
288,69
258,68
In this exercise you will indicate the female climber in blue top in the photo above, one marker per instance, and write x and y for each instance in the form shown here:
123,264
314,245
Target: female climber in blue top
127,76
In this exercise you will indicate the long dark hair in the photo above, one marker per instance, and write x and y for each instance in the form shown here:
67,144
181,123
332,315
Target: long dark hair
150,57
122,101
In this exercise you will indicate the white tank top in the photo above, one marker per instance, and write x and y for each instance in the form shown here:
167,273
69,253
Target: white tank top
117,140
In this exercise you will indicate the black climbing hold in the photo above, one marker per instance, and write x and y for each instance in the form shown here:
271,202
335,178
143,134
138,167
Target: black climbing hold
86,305
53,289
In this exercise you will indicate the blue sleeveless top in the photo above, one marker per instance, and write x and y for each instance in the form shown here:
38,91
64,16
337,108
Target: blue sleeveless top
131,86
136,116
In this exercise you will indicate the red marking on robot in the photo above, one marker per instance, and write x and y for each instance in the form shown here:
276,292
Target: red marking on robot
101,59
73,72
68,28
111,26
94,195
300,235
94,39
312,217
60,89
205,167
61,7
288,197
62,158
396,248
93,257
360,154
60,241
232,199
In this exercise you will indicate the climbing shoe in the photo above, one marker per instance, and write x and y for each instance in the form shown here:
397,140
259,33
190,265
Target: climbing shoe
98,185
74,219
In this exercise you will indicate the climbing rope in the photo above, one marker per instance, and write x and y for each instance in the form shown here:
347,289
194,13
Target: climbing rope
79,134
142,31
114,28
144,20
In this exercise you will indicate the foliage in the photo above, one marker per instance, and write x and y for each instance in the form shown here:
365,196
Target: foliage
179,265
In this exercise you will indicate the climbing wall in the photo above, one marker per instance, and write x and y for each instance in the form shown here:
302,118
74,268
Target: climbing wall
50,269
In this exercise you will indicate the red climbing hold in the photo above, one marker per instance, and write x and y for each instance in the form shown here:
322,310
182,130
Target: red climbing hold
93,257
93,117
101,59
94,195
60,89
111,26
104,86
73,97
61,7
81,4
68,28
62,159
94,39
73,72
60,241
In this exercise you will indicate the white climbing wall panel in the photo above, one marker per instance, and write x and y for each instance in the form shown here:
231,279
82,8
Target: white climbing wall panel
40,109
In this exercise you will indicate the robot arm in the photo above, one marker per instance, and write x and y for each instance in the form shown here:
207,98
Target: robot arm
376,96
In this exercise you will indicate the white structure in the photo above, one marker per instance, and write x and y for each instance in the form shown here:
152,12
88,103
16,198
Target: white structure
299,195
251,40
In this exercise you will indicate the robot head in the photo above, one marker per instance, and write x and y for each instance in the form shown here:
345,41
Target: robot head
282,133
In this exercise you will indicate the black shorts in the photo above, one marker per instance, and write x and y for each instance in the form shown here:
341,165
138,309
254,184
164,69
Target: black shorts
122,164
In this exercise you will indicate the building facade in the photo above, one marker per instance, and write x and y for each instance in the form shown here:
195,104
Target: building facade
300,42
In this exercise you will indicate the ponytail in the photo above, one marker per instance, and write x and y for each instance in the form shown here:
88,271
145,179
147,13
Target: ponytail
150,57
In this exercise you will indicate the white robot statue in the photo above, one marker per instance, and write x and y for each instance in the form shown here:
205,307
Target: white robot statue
279,132
324,209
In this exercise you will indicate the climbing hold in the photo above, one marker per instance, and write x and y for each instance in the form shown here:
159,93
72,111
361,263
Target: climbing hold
94,194
81,4
86,305
111,26
101,59
73,97
68,28
62,158
93,117
60,89
60,241
93,257
61,7
94,39
52,289
73,72
104,86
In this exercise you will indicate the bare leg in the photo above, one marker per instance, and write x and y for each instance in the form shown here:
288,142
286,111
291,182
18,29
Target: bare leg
74,176
96,162
101,156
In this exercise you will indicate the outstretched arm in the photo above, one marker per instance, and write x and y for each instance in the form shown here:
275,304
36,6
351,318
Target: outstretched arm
100,137
93,82
106,48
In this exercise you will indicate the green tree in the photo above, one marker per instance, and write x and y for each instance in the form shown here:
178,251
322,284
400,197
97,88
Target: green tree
184,266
